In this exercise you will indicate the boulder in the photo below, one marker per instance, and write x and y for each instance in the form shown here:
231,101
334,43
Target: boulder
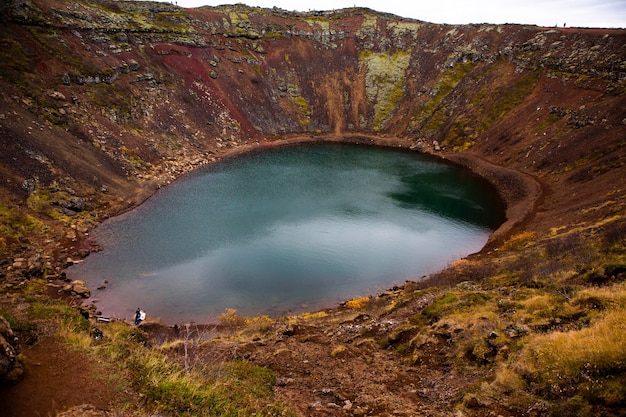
35,266
73,205
57,95
77,288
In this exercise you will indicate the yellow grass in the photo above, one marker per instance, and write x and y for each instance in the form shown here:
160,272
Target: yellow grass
80,340
315,315
614,296
520,241
564,358
259,323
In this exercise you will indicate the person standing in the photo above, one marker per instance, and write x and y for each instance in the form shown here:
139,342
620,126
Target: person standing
138,316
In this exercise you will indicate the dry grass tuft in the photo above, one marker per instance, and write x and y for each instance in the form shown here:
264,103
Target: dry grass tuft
315,315
569,362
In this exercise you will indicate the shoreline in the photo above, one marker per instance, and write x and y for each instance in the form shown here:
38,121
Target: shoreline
519,191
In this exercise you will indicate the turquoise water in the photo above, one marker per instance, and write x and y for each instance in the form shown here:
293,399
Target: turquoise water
288,229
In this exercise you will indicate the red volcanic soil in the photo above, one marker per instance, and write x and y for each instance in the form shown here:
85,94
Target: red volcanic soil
57,378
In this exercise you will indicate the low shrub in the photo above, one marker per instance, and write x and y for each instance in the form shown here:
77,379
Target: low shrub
231,318
358,303
252,324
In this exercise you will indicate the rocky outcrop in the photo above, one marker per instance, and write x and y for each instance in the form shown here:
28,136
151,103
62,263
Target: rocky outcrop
77,288
72,206
10,367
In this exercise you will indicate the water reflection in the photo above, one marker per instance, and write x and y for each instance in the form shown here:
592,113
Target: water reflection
451,194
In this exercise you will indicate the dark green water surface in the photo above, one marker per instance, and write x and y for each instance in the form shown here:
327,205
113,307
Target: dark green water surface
286,230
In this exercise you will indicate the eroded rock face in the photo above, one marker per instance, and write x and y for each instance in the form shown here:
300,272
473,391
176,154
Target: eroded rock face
10,367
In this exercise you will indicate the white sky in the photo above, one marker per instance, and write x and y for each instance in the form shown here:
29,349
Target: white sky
582,13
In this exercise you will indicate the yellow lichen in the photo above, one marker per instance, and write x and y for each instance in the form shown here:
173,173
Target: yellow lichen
384,83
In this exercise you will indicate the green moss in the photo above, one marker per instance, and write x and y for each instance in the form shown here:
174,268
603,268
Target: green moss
404,28
441,305
114,102
550,120
241,25
432,115
50,42
368,27
290,85
15,62
40,201
305,117
272,35
454,303
119,17
14,223
132,157
9,318
259,380
180,395
384,83
168,141
322,22
458,136
436,121
473,299
387,105
365,54
509,99
174,22
272,30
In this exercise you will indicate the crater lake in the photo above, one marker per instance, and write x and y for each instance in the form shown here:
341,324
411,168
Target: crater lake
288,229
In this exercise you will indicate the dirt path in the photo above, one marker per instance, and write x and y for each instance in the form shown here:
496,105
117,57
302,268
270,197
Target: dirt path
55,379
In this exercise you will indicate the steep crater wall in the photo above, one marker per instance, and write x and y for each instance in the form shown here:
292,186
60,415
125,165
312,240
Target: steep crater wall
103,102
